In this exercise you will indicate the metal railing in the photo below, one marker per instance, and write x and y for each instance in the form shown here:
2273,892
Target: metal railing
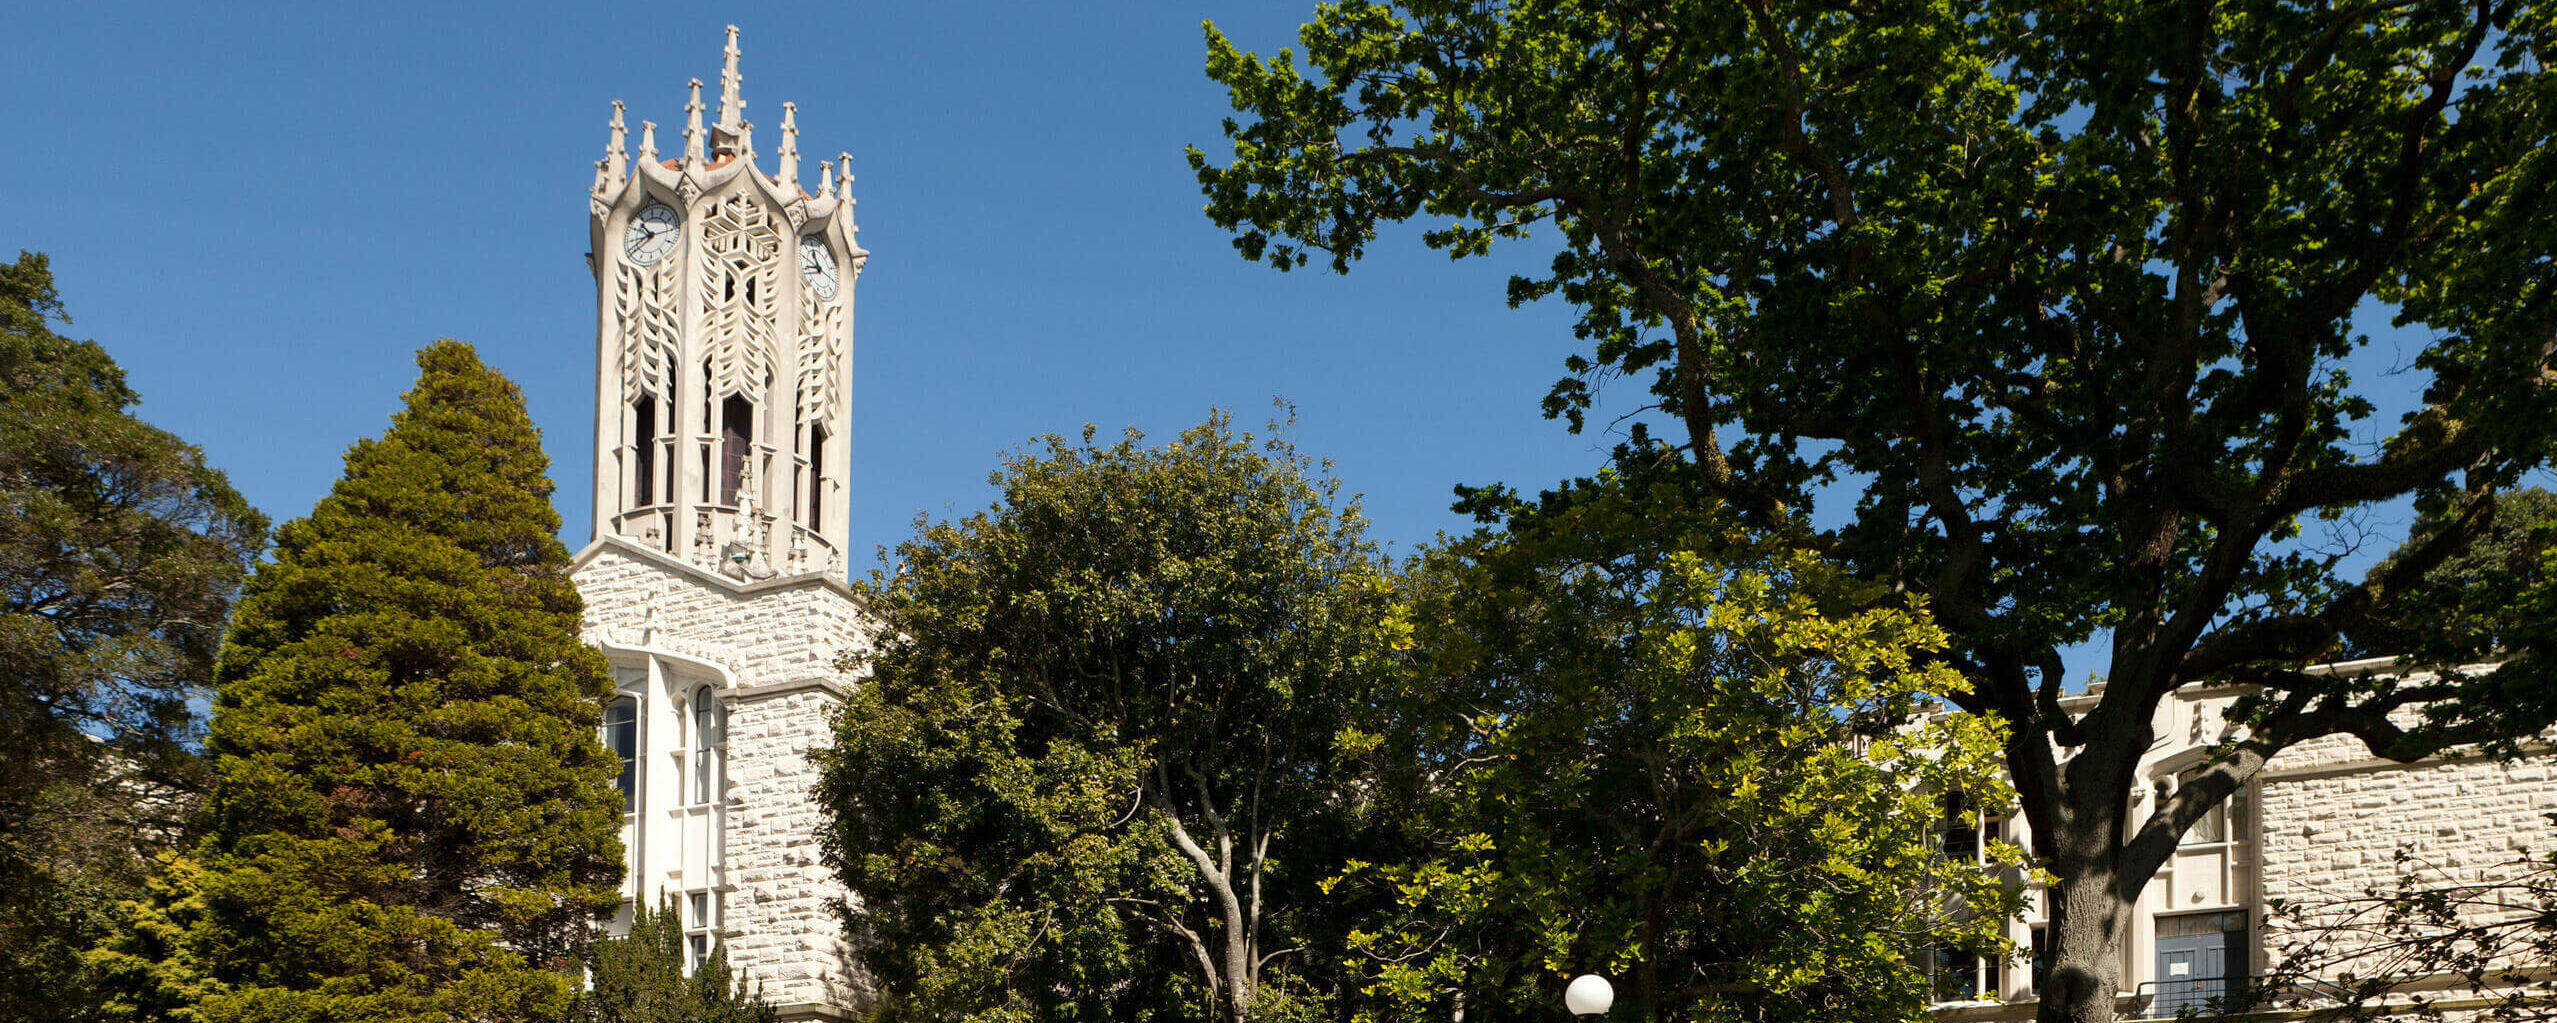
2216,996
2207,996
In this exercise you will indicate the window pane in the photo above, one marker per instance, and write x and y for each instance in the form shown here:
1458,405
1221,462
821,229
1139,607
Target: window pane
2213,827
621,736
1957,975
2041,956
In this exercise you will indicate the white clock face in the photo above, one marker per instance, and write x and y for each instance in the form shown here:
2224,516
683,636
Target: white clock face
817,264
651,234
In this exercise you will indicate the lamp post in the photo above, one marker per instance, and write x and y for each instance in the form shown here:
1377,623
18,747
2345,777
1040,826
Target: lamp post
1589,995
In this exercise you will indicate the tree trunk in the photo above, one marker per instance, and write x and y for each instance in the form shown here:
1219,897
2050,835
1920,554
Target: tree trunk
2089,920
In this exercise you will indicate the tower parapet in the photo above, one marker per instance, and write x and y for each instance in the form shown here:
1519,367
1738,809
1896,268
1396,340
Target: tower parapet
724,352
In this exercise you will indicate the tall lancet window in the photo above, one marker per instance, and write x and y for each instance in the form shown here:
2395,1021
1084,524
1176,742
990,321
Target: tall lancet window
621,736
816,477
706,738
736,433
644,451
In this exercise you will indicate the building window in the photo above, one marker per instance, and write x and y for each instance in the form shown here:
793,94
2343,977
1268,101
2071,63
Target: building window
644,454
2041,962
817,477
1956,975
1965,831
621,736
701,925
2221,824
706,739
736,433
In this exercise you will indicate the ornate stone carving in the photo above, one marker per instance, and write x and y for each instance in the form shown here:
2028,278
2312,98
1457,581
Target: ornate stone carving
651,331
740,270
820,356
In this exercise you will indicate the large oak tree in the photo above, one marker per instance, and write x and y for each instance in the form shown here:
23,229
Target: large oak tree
2056,299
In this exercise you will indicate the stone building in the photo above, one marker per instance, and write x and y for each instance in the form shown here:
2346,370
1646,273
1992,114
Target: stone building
2322,822
715,581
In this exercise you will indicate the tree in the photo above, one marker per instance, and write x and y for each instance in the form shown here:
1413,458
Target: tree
1088,775
2058,299
2466,602
1657,748
120,551
639,978
412,817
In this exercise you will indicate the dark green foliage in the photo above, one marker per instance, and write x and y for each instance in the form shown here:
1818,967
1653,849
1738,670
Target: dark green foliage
412,817
1093,776
2465,606
120,551
2044,312
639,978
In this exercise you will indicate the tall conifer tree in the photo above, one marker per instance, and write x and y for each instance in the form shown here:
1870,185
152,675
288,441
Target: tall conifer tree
412,818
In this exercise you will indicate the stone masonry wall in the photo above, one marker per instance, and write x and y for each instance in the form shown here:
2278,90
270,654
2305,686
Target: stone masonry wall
781,916
2333,819
768,634
780,640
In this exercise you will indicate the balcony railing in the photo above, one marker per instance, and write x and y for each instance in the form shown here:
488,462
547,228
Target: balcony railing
2217,996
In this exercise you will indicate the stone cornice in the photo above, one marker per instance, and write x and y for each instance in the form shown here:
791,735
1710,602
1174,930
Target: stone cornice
757,587
771,689
815,1011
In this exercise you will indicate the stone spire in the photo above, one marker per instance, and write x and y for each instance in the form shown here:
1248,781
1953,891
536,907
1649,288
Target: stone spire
692,128
844,180
788,155
732,109
648,141
616,159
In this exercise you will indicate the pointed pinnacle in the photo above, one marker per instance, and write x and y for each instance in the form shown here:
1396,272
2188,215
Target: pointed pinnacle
731,107
692,126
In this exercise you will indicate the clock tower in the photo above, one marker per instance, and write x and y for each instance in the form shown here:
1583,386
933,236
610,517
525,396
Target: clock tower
715,582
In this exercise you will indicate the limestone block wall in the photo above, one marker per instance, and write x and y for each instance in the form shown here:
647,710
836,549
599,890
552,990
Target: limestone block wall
781,922
778,641
779,630
2332,819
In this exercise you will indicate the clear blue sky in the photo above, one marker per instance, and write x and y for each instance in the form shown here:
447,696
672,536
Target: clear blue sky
263,215
263,212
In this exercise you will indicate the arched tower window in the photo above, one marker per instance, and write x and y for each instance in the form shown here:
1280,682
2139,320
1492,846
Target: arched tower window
644,453
621,736
707,729
816,477
736,433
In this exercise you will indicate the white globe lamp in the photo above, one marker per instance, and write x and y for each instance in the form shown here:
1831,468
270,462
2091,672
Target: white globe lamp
1589,995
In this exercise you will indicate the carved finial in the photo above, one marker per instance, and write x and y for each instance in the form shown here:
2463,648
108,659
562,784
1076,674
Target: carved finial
648,141
844,180
789,154
692,127
825,179
615,156
745,146
731,108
